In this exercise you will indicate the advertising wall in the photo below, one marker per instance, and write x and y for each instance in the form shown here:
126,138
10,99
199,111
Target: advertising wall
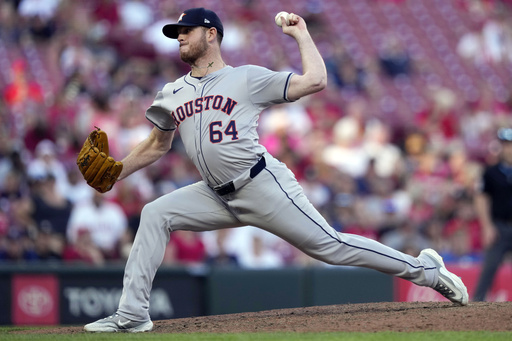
35,299
77,296
74,296
174,294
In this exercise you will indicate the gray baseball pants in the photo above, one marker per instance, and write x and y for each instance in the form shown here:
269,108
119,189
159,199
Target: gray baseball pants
273,201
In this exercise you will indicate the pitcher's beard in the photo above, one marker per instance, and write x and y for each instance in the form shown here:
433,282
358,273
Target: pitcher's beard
195,52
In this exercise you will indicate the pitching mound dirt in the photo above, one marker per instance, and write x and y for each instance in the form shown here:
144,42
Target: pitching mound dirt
367,317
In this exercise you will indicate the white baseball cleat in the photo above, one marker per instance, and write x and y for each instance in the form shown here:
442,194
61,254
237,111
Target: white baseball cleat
117,323
449,285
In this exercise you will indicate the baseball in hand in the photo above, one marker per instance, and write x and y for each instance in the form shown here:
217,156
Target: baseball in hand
282,14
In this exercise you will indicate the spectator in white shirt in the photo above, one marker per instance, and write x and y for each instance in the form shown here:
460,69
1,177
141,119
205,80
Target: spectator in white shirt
105,220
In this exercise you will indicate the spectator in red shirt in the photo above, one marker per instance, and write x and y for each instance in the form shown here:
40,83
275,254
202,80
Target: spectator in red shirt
466,222
83,250
440,120
185,248
21,89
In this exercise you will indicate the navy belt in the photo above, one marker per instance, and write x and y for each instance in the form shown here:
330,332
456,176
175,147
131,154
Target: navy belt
230,187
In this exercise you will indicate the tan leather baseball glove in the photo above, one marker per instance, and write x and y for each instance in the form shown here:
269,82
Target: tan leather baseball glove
98,168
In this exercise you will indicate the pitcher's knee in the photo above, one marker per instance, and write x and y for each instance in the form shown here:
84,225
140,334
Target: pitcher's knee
149,210
151,214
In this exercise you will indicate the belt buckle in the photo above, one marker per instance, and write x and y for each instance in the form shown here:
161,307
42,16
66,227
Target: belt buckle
225,188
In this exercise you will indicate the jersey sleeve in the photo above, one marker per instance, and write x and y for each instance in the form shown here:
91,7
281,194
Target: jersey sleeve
159,115
267,87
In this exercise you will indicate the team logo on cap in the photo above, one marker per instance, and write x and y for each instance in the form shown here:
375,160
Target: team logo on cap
181,16
206,21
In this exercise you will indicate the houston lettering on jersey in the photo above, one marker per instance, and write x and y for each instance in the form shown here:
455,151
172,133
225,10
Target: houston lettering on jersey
212,102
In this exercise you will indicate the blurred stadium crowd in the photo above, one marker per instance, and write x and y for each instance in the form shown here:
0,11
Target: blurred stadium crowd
392,149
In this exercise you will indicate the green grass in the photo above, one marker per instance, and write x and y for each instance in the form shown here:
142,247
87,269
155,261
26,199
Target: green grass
7,335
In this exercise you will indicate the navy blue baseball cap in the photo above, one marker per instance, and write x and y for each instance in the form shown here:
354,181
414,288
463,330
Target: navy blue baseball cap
194,17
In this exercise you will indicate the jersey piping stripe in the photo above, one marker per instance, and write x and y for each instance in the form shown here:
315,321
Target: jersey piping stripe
192,85
285,91
195,140
201,140
338,240
156,125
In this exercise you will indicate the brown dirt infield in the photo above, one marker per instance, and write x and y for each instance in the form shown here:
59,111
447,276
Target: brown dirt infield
363,317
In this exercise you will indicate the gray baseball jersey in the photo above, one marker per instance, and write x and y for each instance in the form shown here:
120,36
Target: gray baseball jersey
243,185
217,117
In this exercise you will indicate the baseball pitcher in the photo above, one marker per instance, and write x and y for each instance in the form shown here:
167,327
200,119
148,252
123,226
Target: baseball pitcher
216,109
